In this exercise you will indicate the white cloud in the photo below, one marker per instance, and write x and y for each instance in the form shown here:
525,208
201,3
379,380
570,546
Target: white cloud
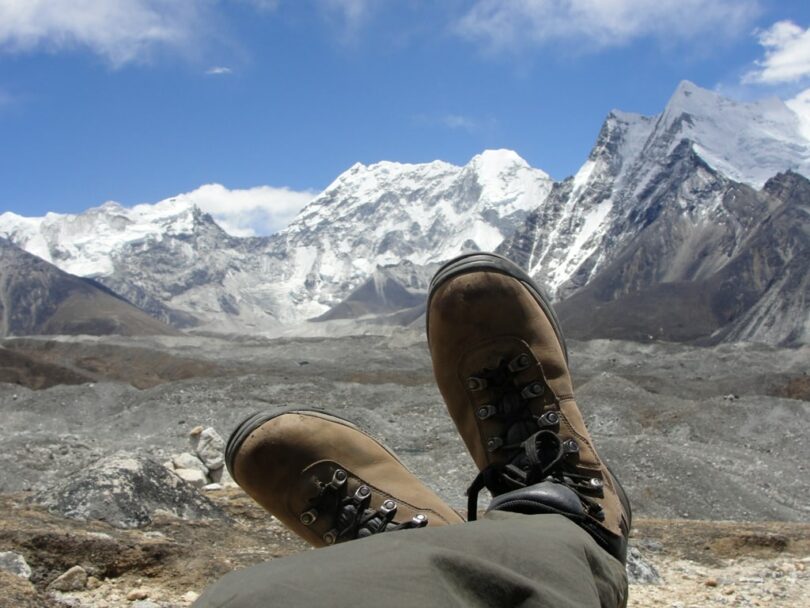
595,24
455,122
218,70
121,31
801,105
352,13
252,211
261,5
787,55
458,121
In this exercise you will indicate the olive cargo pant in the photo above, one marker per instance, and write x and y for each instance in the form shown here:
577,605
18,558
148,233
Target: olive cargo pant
505,559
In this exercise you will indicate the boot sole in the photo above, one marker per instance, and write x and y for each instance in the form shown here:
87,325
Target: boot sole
492,262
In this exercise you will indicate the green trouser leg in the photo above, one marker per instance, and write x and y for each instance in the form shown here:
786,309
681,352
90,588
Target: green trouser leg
506,559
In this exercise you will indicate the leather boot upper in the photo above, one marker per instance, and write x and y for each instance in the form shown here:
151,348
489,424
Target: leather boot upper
501,368
309,469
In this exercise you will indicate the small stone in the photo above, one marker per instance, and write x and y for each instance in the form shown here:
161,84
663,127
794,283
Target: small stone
190,596
93,583
137,594
195,431
169,465
74,579
221,476
15,563
187,460
728,591
212,486
192,476
800,567
710,582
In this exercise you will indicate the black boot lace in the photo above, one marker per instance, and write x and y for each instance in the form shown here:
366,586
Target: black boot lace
351,513
534,450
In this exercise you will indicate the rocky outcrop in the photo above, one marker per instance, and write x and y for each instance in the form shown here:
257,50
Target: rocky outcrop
204,466
125,491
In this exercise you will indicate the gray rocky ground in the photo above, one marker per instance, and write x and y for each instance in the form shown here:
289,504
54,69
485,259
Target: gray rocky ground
694,433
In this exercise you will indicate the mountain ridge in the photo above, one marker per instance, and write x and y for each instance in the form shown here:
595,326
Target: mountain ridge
669,175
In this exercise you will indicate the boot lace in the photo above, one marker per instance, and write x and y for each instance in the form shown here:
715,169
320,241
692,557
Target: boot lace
352,513
534,450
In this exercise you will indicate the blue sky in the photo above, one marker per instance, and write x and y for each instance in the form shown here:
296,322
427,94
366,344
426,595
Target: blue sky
138,100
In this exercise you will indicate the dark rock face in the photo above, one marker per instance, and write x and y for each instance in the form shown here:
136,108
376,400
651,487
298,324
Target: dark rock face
38,298
125,491
740,275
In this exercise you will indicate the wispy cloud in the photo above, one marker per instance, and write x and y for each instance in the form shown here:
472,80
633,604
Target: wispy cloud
455,122
122,31
787,55
350,15
596,24
218,70
261,5
251,211
801,105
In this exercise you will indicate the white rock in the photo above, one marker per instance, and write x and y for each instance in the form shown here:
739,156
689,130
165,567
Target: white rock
193,476
222,477
210,448
187,460
190,596
15,564
74,579
212,486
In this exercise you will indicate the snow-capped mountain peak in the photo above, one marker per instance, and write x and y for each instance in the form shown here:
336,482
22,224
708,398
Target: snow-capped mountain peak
83,244
748,142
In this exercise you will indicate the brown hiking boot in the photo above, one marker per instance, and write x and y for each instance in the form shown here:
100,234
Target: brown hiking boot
327,480
501,364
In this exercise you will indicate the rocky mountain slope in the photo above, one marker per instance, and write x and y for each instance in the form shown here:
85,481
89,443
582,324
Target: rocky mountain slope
671,210
38,298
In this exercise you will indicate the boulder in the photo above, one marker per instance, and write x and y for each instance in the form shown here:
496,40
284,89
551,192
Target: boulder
193,476
639,570
125,490
15,564
210,448
74,579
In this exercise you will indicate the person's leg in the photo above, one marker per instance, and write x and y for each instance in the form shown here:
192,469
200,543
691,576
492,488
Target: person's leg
506,559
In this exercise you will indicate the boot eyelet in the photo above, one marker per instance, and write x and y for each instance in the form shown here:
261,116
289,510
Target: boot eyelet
494,443
519,363
330,537
486,411
362,492
549,419
571,446
596,483
308,517
535,389
420,520
476,384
